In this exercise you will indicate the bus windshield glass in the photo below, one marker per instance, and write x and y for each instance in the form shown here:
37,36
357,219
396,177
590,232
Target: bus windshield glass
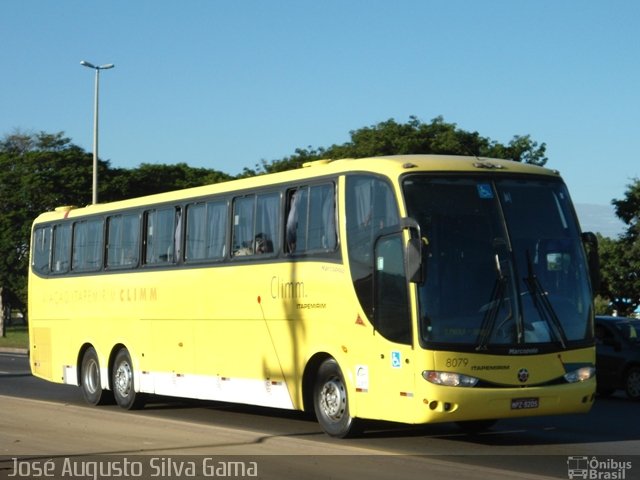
505,266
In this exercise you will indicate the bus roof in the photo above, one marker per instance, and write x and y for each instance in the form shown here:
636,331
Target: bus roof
390,165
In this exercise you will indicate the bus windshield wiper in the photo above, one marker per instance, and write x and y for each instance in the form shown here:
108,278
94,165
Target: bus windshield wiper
543,305
492,308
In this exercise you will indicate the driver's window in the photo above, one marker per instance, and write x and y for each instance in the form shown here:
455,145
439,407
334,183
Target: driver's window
371,208
392,314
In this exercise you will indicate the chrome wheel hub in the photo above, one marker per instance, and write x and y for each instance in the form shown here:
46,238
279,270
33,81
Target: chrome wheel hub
91,377
123,379
333,399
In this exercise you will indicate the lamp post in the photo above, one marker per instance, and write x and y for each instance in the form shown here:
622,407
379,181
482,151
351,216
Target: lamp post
97,68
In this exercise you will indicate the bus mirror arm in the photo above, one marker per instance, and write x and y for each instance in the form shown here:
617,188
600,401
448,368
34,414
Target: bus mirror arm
590,242
413,251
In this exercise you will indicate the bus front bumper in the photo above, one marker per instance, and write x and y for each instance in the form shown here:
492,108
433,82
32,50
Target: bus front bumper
454,404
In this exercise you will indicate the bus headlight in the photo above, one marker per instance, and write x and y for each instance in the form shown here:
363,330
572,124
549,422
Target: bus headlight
449,379
580,375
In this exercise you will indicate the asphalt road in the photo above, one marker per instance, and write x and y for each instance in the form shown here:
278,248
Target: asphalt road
38,418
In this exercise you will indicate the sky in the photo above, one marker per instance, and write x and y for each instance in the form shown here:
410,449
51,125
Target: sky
224,84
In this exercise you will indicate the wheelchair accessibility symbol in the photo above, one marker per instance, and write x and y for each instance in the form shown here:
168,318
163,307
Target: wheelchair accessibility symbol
395,360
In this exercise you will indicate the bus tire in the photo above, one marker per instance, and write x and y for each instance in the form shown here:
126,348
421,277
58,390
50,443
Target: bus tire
90,383
122,382
331,402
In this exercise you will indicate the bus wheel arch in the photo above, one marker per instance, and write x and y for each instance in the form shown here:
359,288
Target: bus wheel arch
309,379
90,377
122,379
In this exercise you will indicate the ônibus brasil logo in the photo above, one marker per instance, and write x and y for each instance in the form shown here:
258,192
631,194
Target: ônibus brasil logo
596,468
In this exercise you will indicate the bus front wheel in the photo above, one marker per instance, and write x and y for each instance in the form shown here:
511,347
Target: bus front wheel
122,382
331,401
90,383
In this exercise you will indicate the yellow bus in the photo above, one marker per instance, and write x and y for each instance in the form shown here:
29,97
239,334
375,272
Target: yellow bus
411,289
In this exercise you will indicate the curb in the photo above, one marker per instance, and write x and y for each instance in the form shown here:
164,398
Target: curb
18,351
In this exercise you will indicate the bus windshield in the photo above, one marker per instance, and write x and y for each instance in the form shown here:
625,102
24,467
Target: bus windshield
505,267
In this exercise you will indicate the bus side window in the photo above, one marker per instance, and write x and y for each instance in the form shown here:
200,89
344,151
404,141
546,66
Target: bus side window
322,218
243,215
267,219
88,245
311,219
61,258
217,213
255,224
196,235
296,224
162,234
123,241
206,230
41,261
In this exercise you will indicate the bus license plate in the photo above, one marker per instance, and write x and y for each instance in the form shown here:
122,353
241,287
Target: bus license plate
523,403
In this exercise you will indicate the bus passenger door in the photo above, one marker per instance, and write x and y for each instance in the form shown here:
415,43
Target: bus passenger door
393,375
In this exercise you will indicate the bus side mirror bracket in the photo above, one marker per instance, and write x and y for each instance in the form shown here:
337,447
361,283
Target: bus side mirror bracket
413,254
590,242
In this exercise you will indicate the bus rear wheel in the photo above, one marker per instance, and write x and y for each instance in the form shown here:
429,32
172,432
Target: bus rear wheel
331,402
90,383
122,382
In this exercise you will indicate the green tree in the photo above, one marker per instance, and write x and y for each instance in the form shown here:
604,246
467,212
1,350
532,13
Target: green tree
413,137
37,173
620,258
148,179
628,209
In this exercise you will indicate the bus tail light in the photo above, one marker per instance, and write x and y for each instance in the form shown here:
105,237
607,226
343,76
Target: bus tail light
449,379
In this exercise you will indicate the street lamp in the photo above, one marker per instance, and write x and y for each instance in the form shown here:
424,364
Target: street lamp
97,68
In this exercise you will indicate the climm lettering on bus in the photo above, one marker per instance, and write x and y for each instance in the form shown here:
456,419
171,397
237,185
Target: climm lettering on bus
138,294
92,296
286,288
